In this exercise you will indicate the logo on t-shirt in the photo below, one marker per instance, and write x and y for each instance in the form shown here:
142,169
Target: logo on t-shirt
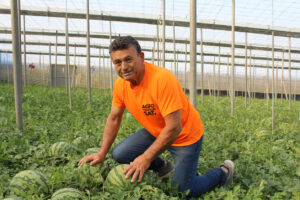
149,109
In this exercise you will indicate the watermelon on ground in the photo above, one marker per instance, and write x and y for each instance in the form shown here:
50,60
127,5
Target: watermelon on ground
12,198
91,150
68,194
29,182
62,149
78,142
116,180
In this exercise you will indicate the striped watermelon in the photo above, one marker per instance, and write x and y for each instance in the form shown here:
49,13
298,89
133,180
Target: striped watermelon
62,149
92,150
68,194
116,180
29,182
12,198
78,142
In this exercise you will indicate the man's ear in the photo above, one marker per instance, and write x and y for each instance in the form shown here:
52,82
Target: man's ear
142,55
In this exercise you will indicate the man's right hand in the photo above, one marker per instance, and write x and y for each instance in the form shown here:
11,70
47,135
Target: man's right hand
95,158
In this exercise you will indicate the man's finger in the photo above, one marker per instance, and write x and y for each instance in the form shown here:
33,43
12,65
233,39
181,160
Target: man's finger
94,162
84,159
134,176
130,172
141,176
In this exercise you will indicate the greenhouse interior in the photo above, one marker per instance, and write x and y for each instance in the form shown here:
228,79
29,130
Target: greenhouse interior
236,62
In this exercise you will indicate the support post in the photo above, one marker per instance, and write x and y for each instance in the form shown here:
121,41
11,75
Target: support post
17,63
232,58
88,59
163,33
193,65
273,96
202,66
246,69
110,63
24,48
290,79
68,65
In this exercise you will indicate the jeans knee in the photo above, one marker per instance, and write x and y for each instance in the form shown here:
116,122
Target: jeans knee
116,154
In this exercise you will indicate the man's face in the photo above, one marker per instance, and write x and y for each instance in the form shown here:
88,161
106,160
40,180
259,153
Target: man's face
128,63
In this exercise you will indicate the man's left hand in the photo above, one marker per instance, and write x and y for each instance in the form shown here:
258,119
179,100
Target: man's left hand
137,168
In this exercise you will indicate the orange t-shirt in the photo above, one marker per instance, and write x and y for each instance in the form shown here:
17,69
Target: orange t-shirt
158,95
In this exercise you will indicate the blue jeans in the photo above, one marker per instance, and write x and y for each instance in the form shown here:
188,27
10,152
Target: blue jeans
185,158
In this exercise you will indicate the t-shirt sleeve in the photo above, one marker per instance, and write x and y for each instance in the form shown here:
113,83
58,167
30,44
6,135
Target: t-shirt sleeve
118,100
169,96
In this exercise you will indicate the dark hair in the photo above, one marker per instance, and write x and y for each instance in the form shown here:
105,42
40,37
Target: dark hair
124,42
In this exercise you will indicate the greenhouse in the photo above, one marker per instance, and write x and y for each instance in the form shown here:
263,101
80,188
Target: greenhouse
236,62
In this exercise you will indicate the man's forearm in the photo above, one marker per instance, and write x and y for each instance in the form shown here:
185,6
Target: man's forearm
162,142
109,134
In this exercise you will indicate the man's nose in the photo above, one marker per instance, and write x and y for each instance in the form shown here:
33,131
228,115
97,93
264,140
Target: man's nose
124,65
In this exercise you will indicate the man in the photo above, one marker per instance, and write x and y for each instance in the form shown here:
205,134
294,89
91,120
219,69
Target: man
155,98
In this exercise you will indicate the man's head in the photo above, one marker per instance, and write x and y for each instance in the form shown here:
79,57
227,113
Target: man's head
128,59
124,43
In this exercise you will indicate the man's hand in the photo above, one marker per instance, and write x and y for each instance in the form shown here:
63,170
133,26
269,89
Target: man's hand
95,158
137,168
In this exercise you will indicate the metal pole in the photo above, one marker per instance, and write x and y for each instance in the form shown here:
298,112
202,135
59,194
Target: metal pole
246,69
104,71
152,58
157,33
163,32
268,95
68,65
88,59
50,67
214,81
66,69
111,72
202,67
41,73
24,47
273,100
55,68
254,78
276,82
250,77
75,66
185,65
232,58
290,80
228,86
17,63
174,48
282,75
219,73
193,65
99,69
7,69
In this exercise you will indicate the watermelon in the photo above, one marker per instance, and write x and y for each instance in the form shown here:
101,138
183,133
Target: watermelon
78,142
116,180
29,182
92,150
12,198
68,194
62,149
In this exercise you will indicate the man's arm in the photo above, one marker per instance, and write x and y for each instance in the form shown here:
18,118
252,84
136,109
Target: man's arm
167,136
109,134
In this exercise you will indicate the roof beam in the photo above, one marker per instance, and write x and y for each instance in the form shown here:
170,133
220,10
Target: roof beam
149,38
149,59
152,21
150,50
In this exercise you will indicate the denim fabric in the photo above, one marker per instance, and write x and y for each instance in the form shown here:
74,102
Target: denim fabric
185,158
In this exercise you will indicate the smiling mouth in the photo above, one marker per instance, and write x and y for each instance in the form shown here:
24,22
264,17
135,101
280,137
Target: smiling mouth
127,73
